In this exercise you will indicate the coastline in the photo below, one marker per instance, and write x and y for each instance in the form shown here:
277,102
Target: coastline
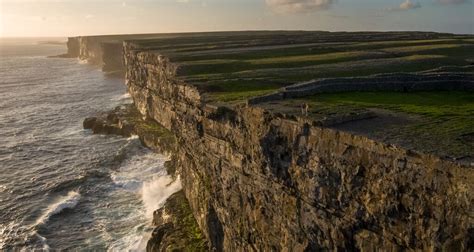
350,210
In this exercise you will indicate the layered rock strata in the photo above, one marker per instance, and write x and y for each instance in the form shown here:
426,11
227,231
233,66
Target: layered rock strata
126,121
261,182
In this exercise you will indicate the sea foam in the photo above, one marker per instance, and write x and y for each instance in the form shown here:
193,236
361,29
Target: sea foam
156,191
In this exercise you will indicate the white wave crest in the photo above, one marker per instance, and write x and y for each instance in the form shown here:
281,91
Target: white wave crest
133,137
83,61
155,192
121,97
65,202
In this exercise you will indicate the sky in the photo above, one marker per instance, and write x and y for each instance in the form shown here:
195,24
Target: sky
61,18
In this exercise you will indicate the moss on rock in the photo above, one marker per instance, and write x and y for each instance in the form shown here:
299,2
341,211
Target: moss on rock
176,229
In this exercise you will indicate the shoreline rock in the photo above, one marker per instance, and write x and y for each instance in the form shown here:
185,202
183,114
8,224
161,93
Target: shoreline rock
175,226
126,121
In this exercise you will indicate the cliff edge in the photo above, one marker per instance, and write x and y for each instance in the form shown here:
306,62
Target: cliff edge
259,180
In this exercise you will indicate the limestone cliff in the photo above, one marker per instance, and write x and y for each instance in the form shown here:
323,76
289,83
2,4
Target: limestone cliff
262,182
103,51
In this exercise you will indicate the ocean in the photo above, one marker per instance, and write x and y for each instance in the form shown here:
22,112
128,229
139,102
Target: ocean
61,187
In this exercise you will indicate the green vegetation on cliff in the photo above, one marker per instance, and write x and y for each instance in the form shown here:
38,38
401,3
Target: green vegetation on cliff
436,105
439,120
177,229
233,72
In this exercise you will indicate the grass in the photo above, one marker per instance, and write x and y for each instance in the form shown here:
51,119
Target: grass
235,66
238,90
187,235
420,48
456,52
431,104
237,96
241,86
446,116
229,87
228,66
308,58
291,69
314,48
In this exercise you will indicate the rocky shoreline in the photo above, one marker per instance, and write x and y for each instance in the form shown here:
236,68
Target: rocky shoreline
175,227
126,121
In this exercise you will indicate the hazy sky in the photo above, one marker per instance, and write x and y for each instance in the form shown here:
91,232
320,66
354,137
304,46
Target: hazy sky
85,17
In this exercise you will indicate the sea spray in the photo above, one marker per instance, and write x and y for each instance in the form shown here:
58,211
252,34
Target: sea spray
142,173
155,192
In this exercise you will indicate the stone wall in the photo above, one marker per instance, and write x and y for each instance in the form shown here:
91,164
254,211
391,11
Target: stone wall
398,82
258,182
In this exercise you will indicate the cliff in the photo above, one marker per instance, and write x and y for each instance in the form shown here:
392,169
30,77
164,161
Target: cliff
260,181
103,51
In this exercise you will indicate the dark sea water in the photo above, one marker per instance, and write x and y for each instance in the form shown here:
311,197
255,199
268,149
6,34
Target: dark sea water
60,186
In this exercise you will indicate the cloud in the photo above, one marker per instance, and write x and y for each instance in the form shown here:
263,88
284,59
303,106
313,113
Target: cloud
298,6
451,1
407,5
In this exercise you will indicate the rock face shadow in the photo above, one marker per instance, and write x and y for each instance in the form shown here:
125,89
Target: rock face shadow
276,150
216,232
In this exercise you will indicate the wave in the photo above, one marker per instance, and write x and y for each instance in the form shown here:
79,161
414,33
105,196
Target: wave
157,191
125,96
70,183
154,193
65,202
131,147
134,172
126,183
133,137
83,61
43,241
78,181
135,240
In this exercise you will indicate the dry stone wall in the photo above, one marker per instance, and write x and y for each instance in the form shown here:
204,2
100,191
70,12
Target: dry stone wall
399,82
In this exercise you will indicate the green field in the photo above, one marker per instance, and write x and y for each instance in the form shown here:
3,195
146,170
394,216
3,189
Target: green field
436,105
236,68
443,117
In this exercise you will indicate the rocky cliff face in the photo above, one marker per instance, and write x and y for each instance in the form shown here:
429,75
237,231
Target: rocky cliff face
98,51
258,181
